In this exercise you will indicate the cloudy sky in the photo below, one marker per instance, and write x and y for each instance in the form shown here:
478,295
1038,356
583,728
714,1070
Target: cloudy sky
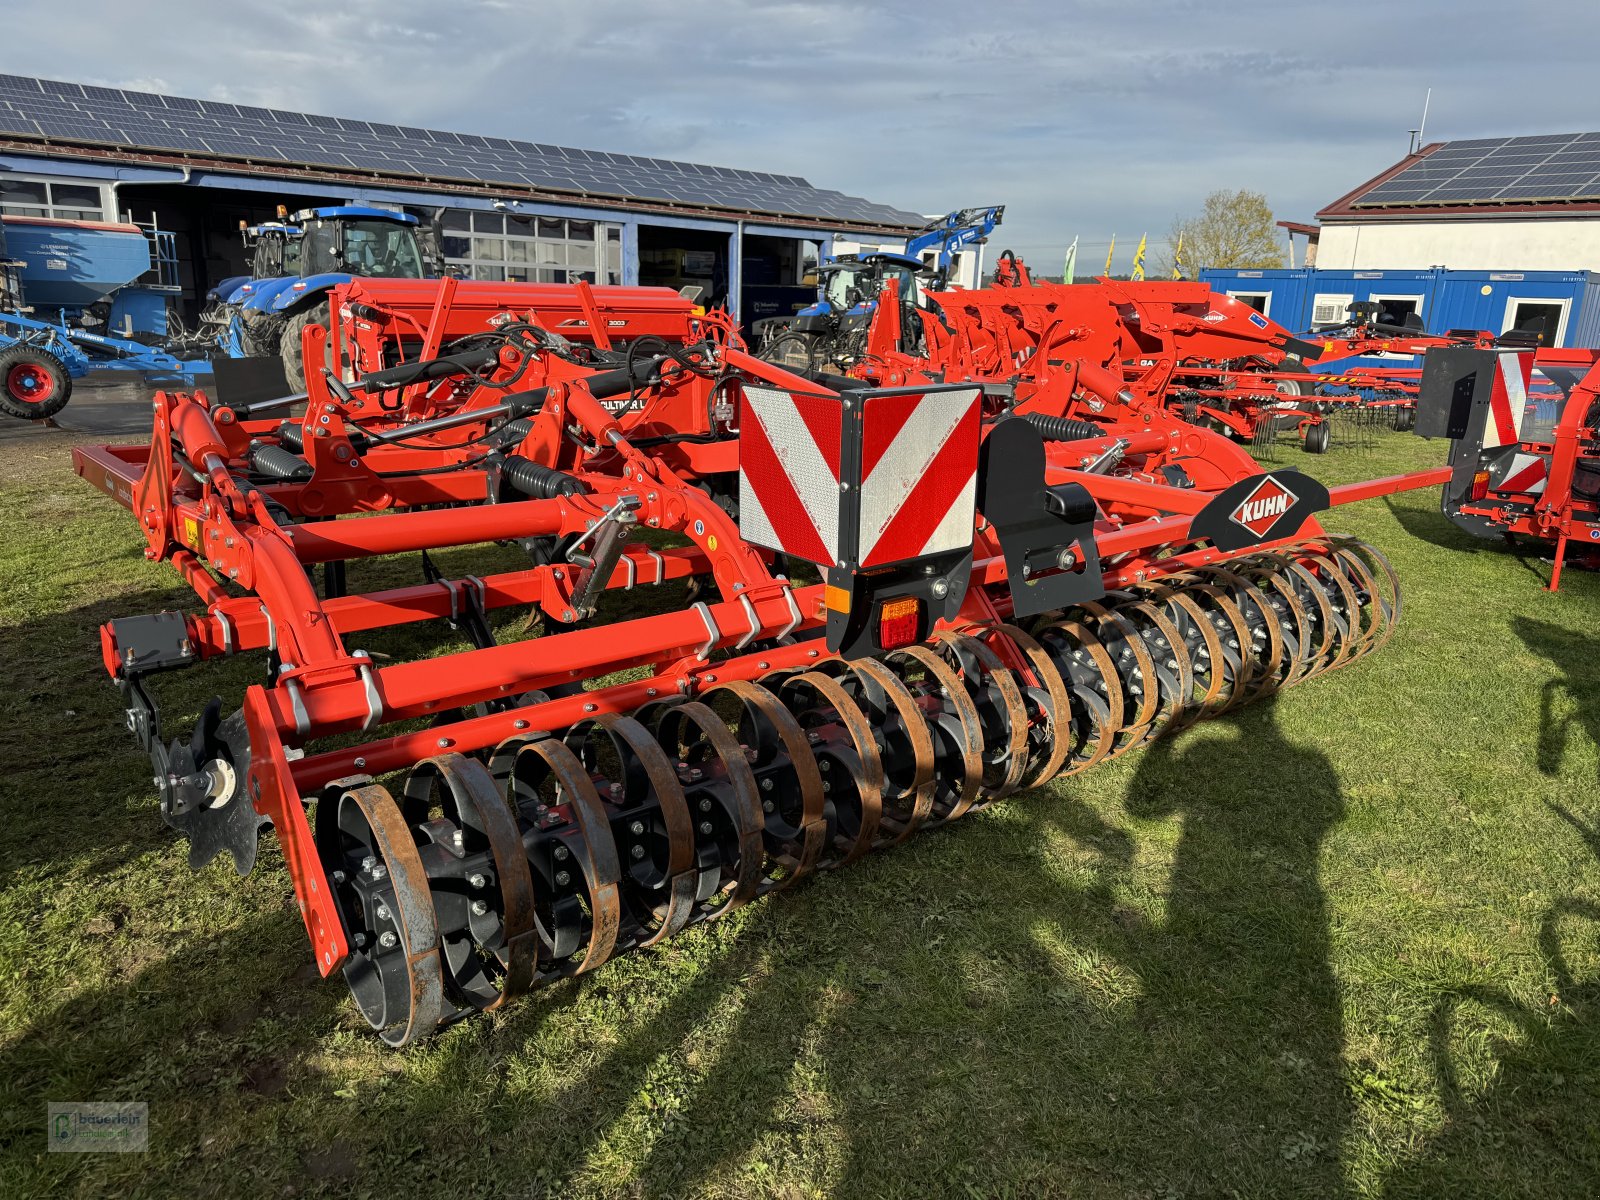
1086,118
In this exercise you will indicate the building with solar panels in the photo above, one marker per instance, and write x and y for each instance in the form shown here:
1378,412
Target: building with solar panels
504,209
1491,233
1494,204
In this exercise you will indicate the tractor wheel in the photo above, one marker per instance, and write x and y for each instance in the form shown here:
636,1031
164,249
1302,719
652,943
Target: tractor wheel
792,351
1316,438
34,384
293,368
1292,387
1403,419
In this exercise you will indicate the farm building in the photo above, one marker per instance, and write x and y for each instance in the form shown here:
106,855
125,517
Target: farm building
1483,204
506,209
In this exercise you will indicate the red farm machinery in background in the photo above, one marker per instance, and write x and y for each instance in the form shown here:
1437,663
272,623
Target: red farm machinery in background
1525,444
908,597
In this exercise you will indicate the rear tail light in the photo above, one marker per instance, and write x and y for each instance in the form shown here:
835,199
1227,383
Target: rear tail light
1480,485
897,622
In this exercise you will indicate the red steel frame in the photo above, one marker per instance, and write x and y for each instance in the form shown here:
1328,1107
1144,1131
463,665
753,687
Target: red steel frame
224,538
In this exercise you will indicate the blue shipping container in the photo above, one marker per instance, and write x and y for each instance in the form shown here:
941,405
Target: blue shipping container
1565,303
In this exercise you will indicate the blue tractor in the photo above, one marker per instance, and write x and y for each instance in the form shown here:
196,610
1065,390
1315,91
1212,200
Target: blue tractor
834,329
295,262
76,296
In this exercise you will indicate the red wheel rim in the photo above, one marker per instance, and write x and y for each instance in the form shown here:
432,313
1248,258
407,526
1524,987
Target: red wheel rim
29,383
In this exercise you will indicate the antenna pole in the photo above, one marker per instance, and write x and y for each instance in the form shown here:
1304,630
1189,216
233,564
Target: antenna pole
1422,129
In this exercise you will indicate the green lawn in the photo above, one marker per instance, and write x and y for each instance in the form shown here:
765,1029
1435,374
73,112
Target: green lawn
1347,942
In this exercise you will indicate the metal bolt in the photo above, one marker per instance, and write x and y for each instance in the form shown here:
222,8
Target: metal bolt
705,827
379,871
358,939
387,940
338,877
638,853
444,743
457,839
940,588
562,854
762,665
1066,560
519,724
479,907
769,806
705,806
767,783
825,766
590,707
383,911
563,878
361,762
636,828
368,863
477,879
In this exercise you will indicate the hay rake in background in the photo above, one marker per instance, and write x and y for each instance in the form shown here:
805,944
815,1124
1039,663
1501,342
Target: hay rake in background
1012,585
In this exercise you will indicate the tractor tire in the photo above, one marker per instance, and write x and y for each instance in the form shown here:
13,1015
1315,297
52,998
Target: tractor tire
1316,438
293,366
1404,419
1293,387
34,384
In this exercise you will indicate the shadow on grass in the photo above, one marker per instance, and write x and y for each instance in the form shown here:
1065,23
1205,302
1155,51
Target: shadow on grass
1573,651
1533,1131
975,1019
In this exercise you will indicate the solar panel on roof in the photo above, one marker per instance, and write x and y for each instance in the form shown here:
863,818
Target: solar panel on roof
1546,167
67,111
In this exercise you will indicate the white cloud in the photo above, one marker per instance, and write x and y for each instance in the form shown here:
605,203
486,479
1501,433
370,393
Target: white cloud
1084,118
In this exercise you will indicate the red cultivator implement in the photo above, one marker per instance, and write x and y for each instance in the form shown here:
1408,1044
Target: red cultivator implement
1525,450
1009,588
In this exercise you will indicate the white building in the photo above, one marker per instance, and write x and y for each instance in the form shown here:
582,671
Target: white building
1495,204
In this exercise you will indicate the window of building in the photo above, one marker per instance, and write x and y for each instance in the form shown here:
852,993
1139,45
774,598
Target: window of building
58,201
1400,312
1260,301
502,247
1547,318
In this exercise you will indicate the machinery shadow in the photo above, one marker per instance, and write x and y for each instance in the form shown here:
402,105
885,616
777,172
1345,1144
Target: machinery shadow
1576,689
1543,1104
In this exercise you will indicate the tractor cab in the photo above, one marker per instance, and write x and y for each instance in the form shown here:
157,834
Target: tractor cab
355,240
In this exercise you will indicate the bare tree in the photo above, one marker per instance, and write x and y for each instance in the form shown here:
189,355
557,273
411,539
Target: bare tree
1234,229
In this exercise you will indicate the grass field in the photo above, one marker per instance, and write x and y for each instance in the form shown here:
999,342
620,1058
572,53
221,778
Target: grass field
1345,943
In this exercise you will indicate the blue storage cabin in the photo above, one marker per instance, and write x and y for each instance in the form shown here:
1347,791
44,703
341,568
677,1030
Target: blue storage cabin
1565,303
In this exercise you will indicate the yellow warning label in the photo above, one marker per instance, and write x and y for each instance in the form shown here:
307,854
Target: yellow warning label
191,532
711,542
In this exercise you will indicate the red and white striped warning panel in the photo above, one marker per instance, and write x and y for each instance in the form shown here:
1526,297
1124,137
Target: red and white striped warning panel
1509,400
919,472
892,480
789,473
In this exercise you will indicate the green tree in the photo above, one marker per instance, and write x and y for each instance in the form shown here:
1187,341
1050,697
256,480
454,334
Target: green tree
1233,229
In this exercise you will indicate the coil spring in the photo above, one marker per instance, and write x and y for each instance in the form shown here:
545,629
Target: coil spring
1064,429
557,852
539,481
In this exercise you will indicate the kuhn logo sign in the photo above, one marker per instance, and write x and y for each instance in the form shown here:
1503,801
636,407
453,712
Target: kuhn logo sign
1268,501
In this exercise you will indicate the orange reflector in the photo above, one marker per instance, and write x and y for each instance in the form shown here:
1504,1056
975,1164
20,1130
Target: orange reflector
1480,485
897,622
836,598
